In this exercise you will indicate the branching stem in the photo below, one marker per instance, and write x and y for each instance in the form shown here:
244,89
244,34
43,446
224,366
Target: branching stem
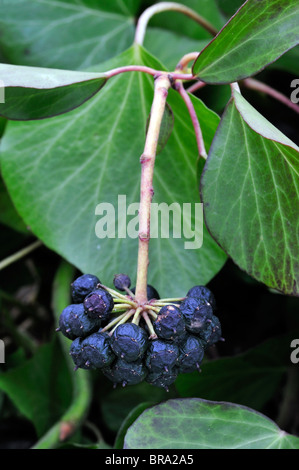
169,6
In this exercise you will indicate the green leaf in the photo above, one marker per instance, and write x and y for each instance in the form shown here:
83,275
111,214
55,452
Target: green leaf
250,378
252,211
8,213
200,424
132,416
259,33
289,62
36,93
40,387
59,170
66,33
165,129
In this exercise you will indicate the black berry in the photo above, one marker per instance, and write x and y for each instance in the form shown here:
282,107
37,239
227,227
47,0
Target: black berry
169,324
162,379
195,312
204,293
161,356
126,373
121,282
96,350
129,341
82,286
73,322
191,355
99,304
212,332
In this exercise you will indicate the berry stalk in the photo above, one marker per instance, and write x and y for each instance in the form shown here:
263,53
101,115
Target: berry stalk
147,160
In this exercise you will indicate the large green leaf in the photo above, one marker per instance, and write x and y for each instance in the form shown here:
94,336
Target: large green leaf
36,93
58,171
8,213
250,378
40,387
70,34
259,33
199,424
252,209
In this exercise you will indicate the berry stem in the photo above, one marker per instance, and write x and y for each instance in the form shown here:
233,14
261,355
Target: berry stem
149,325
168,6
147,159
116,294
153,314
124,318
113,322
136,317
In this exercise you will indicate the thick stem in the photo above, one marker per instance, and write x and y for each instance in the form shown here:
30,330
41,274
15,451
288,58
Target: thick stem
263,88
162,85
198,134
169,6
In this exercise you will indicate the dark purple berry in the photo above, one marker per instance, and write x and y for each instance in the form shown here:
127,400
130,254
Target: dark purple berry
99,304
161,356
126,373
82,286
73,322
212,332
129,341
191,355
162,379
121,282
96,350
204,293
169,323
195,312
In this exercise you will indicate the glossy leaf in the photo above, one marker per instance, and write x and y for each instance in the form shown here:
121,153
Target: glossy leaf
36,93
67,34
132,416
8,213
198,424
59,170
258,34
252,210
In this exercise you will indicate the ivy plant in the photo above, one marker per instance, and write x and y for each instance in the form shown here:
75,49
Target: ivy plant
90,96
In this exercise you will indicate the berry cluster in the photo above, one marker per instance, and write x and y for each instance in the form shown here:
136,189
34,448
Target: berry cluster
131,342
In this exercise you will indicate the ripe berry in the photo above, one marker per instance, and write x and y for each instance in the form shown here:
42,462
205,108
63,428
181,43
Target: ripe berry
191,355
121,282
202,292
169,323
129,341
162,379
212,332
99,304
195,312
82,286
96,350
76,354
73,322
151,292
126,373
161,356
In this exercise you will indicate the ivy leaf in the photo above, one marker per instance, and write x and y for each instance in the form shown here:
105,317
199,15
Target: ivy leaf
8,213
66,33
59,170
40,388
132,416
199,424
252,210
36,93
259,33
